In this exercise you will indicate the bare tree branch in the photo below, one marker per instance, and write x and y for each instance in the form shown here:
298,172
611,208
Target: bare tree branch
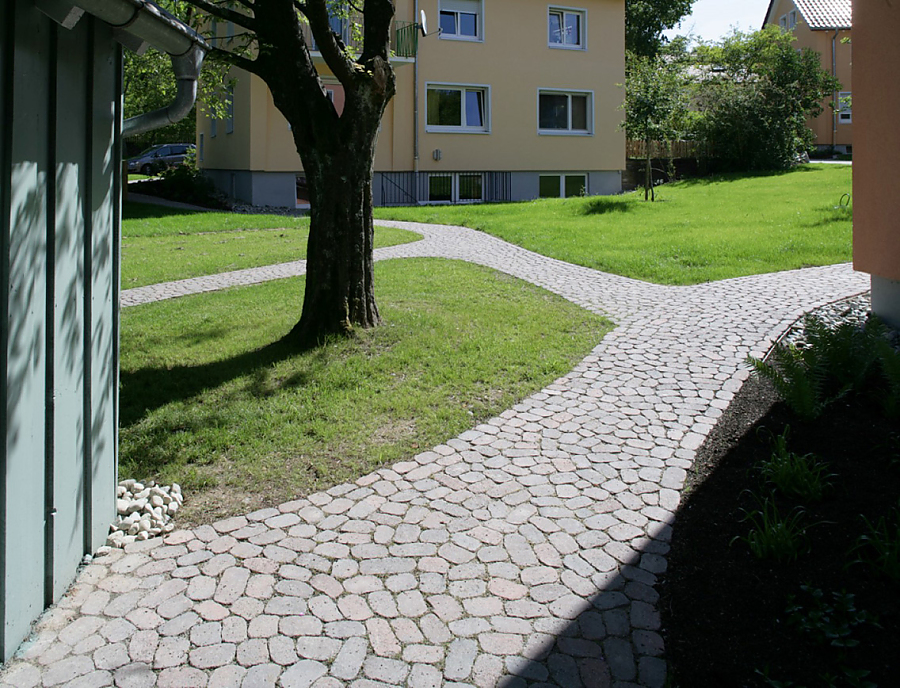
377,18
215,10
333,51
234,59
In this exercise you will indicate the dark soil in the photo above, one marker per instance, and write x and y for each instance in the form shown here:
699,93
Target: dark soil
725,612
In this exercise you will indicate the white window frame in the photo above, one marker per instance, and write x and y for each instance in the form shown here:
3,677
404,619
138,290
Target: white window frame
452,7
454,188
844,112
563,11
462,128
782,22
569,131
792,20
561,176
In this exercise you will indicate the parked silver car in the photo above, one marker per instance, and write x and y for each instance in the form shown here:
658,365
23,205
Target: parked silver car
158,158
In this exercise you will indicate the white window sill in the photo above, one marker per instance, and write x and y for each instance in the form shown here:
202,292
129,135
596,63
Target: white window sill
454,130
457,37
563,46
563,132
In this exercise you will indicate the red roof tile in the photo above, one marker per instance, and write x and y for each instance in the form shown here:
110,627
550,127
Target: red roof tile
826,14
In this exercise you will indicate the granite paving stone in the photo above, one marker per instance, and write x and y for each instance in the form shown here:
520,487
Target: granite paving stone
523,552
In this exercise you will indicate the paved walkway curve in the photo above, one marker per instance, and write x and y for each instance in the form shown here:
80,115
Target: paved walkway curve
524,552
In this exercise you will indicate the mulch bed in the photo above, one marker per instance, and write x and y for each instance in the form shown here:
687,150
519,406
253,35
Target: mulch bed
725,612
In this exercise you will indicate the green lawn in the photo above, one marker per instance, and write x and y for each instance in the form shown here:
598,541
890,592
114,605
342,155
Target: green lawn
161,244
697,231
209,401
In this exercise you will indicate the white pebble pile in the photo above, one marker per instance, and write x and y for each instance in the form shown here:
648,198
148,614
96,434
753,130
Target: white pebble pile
144,510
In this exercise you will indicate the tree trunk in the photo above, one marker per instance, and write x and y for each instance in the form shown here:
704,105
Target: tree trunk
337,149
648,172
340,287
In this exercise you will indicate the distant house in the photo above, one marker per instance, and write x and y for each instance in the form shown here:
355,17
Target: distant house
60,190
514,99
824,26
876,186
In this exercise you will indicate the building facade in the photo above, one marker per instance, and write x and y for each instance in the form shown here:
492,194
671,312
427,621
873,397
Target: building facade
824,26
876,187
510,100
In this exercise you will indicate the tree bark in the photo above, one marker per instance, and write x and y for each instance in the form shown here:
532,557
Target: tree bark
340,286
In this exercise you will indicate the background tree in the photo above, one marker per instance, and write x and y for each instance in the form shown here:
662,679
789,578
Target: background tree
656,105
645,20
337,151
755,93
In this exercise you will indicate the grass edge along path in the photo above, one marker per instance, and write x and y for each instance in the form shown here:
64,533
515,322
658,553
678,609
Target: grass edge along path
698,230
209,402
165,244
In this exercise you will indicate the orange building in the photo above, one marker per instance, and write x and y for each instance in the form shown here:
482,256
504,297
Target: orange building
876,186
824,26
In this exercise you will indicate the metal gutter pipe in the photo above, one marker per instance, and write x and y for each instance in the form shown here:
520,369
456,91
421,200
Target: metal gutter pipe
416,111
187,73
142,23
836,109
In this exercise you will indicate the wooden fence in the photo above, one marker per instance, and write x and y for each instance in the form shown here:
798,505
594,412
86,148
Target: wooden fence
666,149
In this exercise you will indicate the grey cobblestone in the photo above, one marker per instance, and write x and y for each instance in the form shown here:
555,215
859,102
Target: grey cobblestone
525,550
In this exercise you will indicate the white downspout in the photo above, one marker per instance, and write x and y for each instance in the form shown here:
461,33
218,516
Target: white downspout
836,109
416,113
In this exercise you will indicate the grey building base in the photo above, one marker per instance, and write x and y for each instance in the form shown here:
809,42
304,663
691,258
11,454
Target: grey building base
840,149
278,189
886,300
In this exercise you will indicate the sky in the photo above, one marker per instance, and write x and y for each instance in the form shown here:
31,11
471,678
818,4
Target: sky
711,20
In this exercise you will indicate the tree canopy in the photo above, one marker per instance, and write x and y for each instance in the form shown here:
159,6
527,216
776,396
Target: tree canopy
645,20
755,92
656,104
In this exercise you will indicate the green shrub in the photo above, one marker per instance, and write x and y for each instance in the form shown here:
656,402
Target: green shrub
802,477
879,546
186,184
835,362
773,536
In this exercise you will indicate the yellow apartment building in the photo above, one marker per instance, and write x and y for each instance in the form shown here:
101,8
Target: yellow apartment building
504,100
824,26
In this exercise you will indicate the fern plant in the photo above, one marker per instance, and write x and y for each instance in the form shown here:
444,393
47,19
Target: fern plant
835,361
889,362
799,386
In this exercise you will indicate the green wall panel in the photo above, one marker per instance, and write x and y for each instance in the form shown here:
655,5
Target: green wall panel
59,251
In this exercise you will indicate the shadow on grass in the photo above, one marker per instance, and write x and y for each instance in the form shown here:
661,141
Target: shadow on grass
132,210
739,176
147,389
830,214
602,205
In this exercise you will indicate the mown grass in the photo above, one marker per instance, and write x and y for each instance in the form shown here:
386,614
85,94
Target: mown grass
161,244
209,401
698,230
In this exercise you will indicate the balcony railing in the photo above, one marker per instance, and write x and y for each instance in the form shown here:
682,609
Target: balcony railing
404,36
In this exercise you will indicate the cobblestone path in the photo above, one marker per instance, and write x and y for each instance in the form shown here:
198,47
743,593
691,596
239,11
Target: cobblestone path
524,552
